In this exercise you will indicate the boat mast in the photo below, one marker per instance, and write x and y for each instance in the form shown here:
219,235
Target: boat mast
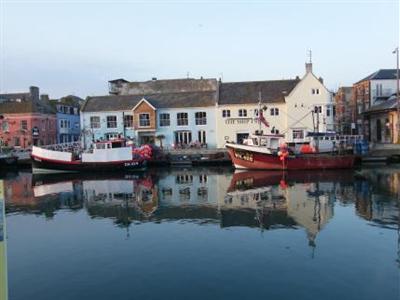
259,112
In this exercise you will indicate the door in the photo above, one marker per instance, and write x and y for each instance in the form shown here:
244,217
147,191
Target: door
378,131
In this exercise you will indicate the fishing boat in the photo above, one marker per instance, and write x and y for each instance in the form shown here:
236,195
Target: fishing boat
110,155
270,152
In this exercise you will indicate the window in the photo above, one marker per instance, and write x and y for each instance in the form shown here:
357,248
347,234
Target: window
164,120
256,112
298,134
144,120
242,112
24,125
182,119
128,121
313,91
202,137
274,130
94,122
317,91
5,126
201,118
71,110
16,141
318,109
274,111
226,113
328,112
111,121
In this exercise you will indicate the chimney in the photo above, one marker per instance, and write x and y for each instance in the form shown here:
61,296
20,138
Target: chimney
44,98
309,67
34,91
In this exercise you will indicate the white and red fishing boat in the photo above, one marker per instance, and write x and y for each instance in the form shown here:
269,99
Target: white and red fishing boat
270,152
110,155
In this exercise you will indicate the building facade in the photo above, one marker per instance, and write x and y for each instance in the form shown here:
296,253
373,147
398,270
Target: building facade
68,118
343,109
26,119
181,113
170,120
368,92
291,107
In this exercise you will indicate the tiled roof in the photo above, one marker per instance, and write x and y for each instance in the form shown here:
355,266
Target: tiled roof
381,74
272,91
170,100
13,107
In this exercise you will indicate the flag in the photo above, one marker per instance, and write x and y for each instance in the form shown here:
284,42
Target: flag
262,119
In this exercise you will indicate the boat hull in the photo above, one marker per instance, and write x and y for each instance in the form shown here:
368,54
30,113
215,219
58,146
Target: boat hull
249,159
42,165
8,161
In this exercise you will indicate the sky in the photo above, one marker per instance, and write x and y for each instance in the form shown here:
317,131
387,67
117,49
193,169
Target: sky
75,47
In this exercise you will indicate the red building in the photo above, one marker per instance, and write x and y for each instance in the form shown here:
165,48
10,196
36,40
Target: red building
26,119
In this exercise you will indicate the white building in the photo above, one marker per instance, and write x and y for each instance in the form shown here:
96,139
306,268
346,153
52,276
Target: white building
291,107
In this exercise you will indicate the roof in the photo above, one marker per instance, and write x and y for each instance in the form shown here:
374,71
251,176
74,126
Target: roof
118,80
170,100
272,91
390,104
183,85
13,107
11,96
381,74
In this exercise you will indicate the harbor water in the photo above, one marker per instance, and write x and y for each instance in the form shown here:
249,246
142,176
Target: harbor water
201,233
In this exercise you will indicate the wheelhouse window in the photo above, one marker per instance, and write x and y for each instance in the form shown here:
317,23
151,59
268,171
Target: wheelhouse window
128,121
144,120
24,125
242,112
201,118
298,134
164,120
274,111
226,113
182,119
94,122
111,121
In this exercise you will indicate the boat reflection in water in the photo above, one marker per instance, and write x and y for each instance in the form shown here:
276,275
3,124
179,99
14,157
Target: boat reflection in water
259,199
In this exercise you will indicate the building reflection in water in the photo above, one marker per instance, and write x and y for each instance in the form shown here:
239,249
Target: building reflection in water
265,200
3,247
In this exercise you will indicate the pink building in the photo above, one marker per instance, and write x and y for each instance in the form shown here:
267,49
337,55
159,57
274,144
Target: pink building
26,119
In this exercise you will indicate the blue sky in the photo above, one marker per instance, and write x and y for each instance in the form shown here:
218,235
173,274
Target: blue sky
75,47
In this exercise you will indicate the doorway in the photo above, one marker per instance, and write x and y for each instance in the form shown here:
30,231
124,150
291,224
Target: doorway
378,130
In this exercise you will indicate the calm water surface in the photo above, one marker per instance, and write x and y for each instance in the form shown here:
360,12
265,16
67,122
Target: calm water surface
203,234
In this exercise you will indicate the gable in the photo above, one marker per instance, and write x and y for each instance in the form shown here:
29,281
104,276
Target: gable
143,105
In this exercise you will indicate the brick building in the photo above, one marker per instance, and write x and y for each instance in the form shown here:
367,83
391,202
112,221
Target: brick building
343,109
26,119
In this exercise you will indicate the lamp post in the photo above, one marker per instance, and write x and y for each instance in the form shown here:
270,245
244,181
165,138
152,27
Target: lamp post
397,93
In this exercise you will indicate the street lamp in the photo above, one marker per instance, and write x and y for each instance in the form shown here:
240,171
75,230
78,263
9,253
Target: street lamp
397,94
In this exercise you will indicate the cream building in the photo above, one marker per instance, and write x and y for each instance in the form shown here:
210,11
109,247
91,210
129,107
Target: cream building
291,107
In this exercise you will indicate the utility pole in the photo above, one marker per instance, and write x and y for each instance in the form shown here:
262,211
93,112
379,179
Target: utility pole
397,94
